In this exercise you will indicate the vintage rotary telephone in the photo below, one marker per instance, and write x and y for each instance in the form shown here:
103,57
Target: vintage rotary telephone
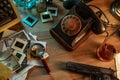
76,25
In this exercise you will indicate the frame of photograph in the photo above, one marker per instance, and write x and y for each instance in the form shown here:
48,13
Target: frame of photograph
30,20
53,10
19,44
19,55
46,16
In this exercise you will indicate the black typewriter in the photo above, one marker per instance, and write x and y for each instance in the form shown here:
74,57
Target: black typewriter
7,13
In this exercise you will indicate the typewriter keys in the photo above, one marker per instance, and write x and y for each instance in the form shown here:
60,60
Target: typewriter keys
71,25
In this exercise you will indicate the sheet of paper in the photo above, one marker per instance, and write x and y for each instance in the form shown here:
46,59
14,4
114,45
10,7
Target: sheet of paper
4,47
118,75
22,74
8,32
117,61
33,36
22,77
4,55
34,62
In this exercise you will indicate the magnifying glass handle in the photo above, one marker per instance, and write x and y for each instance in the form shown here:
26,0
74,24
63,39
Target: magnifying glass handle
45,65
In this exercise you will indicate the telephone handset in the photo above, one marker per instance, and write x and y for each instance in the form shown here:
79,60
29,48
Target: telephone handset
76,25
97,26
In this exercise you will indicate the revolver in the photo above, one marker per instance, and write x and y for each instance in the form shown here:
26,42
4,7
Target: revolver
95,73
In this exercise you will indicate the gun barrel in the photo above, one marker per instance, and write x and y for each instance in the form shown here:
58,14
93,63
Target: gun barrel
99,72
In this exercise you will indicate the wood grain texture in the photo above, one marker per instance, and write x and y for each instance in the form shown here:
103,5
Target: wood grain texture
85,53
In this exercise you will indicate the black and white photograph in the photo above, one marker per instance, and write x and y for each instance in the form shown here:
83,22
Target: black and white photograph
46,16
19,44
9,60
53,10
19,55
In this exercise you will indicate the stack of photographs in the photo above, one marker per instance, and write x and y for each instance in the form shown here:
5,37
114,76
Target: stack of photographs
14,50
9,60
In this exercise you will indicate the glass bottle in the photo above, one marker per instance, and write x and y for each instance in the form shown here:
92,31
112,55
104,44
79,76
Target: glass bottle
40,6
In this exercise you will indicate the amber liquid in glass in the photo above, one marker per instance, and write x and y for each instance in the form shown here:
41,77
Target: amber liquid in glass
106,52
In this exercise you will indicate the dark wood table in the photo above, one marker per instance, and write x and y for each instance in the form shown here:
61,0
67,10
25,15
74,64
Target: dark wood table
85,53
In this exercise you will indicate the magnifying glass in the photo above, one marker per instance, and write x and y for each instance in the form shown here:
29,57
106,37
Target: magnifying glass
37,50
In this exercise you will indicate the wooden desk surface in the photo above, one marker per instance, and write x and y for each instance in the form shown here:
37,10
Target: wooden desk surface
85,53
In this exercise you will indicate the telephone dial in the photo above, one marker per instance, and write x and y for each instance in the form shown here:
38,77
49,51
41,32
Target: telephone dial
75,27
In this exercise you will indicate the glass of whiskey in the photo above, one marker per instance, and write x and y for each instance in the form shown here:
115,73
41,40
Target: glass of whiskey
107,49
